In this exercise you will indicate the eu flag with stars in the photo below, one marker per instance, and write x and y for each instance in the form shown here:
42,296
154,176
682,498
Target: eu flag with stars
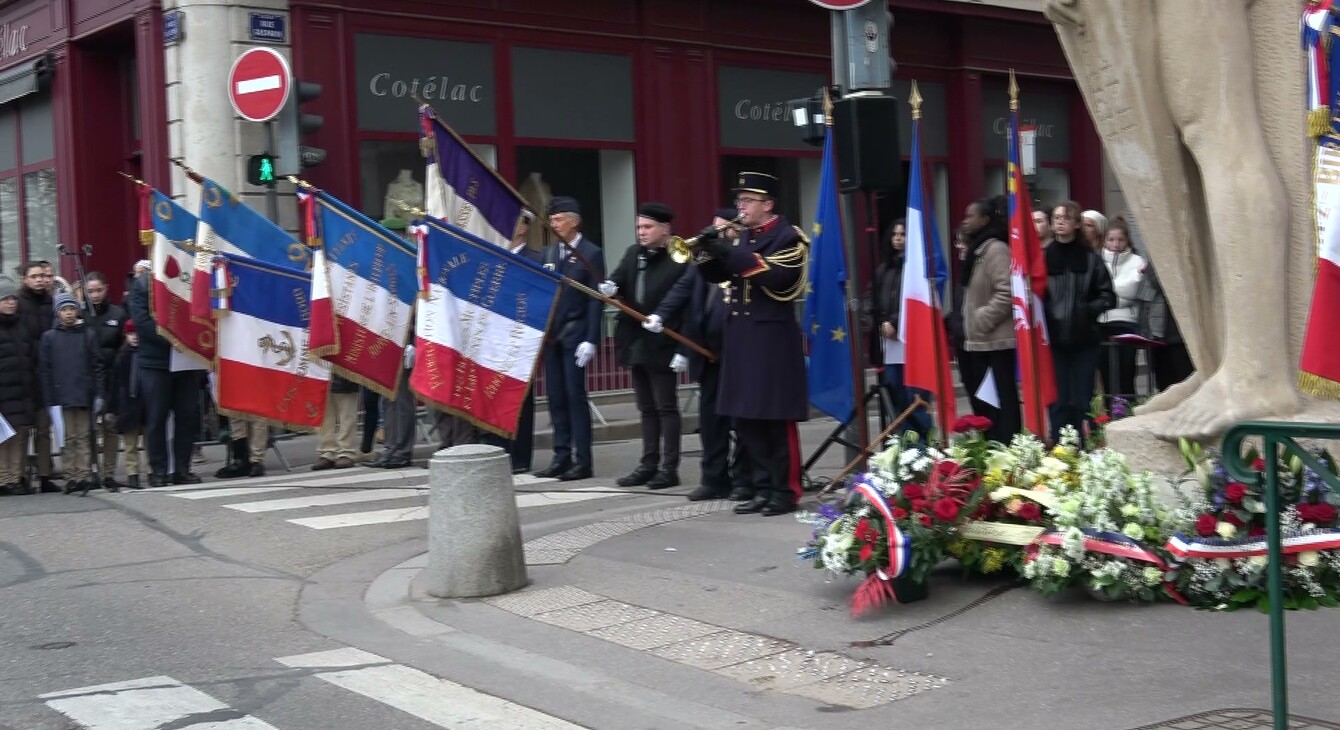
830,376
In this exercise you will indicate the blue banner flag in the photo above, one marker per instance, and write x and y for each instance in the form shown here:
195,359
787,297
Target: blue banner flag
830,366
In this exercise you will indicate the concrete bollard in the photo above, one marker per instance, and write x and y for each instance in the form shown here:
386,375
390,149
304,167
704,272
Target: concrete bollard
474,530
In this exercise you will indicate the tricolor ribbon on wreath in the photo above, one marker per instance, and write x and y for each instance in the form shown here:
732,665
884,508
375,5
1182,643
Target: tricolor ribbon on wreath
900,547
1299,541
1117,546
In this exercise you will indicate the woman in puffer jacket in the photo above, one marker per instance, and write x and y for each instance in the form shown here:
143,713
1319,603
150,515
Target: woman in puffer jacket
1079,290
1127,271
18,368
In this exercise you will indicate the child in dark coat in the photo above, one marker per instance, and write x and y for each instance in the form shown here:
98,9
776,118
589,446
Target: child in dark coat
70,371
124,404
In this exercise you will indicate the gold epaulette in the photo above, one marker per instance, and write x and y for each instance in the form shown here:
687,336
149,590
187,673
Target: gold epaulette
803,238
795,257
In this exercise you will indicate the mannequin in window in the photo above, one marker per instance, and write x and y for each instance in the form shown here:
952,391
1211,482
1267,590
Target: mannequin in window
404,189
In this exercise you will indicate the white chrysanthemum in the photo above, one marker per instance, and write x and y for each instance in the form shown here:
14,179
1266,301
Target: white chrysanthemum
1153,576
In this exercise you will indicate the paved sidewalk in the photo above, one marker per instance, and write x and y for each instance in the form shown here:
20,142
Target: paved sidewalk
668,614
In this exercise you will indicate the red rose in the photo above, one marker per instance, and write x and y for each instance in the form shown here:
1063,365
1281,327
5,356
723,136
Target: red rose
1030,511
1259,465
1232,519
924,519
899,513
1235,491
946,509
866,551
864,531
1205,525
1103,419
971,423
912,491
946,468
1317,514
920,505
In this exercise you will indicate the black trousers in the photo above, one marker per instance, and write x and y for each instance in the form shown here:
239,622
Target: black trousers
725,464
973,367
654,391
569,410
1120,381
166,392
521,446
1075,368
372,407
773,448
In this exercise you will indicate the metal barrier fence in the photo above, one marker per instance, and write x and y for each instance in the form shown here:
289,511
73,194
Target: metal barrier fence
1280,441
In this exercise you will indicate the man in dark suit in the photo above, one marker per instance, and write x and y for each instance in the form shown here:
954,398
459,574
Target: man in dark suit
643,277
703,310
763,384
570,343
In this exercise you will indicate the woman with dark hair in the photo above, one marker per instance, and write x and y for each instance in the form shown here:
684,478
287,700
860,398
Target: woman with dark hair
886,350
988,318
1079,289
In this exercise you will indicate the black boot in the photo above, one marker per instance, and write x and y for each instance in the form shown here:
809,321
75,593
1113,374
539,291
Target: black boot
664,479
752,506
46,486
111,485
133,482
707,491
639,476
239,461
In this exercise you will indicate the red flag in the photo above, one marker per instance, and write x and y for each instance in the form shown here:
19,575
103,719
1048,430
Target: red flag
1320,364
1028,286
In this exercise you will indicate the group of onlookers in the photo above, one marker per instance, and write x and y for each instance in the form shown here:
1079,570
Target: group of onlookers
1103,304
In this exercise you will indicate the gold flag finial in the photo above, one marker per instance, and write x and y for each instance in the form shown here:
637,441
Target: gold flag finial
300,182
416,212
914,99
828,108
1014,93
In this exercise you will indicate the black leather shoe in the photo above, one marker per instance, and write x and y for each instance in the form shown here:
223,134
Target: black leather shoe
778,507
556,469
520,469
401,462
70,486
639,476
46,486
377,463
741,494
133,482
111,485
706,492
185,477
257,470
664,480
754,505
157,480
232,471
575,473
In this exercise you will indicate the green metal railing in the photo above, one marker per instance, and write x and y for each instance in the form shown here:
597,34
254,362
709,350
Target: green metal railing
1279,440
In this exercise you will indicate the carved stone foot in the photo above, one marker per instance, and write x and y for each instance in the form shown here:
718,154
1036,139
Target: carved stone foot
1172,395
1225,399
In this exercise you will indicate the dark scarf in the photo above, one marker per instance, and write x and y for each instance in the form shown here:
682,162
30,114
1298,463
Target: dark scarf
1064,256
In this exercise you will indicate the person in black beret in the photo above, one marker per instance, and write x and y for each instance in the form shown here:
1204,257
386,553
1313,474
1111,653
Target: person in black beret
642,279
763,383
570,344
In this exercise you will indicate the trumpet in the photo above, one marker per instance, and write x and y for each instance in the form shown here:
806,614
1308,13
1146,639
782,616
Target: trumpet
681,249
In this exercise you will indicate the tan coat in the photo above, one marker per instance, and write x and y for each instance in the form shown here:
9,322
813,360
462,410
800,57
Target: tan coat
988,314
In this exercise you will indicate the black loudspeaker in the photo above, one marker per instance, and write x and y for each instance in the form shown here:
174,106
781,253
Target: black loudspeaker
867,143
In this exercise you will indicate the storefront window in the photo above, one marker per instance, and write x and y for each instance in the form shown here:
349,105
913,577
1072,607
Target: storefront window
10,239
602,181
39,206
395,168
29,224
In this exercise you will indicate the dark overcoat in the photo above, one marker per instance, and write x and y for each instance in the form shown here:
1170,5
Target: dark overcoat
763,355
18,372
701,307
576,317
635,345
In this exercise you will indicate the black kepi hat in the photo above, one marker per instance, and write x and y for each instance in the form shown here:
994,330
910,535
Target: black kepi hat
726,214
659,212
564,204
756,182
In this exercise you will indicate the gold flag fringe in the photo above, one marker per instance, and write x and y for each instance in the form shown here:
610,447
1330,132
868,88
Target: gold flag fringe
147,238
1318,122
1314,384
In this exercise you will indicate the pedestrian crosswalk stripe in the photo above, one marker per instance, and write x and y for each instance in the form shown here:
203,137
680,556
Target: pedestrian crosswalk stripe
147,704
227,492
326,500
409,514
439,701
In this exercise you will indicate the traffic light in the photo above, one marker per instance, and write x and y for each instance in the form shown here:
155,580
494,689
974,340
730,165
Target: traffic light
295,126
261,169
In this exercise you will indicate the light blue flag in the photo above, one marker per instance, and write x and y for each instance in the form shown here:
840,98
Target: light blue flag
830,364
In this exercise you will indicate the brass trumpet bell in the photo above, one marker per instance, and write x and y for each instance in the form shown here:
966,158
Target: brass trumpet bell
681,249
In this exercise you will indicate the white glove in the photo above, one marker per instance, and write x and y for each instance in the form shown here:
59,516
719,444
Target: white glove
608,288
679,363
409,356
585,352
653,324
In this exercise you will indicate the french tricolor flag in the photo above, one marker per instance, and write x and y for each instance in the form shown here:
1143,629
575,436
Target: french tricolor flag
478,334
1320,366
266,370
363,285
229,226
920,318
462,190
174,229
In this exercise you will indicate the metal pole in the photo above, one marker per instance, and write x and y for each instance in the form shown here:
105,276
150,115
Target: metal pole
858,429
1279,679
271,195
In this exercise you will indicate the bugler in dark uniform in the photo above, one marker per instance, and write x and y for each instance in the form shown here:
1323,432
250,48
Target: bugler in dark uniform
570,343
763,383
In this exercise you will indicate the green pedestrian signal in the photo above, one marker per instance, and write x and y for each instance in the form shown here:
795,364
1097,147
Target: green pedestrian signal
261,169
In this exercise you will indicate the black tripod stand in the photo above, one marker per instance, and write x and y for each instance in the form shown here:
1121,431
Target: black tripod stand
94,469
886,414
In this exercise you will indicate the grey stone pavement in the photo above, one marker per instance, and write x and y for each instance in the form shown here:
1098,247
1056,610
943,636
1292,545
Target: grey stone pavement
680,614
644,611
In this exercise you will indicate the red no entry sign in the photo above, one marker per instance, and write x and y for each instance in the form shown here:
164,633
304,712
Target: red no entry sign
258,84
840,4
